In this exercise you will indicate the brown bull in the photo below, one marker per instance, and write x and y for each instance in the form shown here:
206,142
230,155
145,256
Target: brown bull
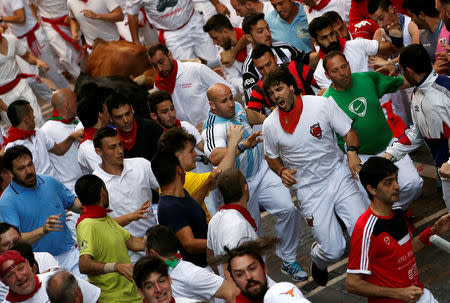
120,58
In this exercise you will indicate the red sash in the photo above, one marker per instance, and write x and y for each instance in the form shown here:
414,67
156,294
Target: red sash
88,134
56,23
289,120
129,139
92,211
15,134
13,297
396,123
319,5
341,42
168,83
161,31
243,211
32,42
242,55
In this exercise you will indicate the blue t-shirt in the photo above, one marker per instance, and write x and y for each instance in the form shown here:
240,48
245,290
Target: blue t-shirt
177,213
29,208
295,33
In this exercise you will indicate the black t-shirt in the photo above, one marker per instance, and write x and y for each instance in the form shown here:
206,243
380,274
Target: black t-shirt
147,136
178,213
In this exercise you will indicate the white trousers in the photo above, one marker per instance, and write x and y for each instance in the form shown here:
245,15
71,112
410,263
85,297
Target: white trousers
427,297
320,202
267,191
446,192
69,261
40,89
147,35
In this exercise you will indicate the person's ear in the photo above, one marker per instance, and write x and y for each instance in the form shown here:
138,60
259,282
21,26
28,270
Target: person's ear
371,190
154,117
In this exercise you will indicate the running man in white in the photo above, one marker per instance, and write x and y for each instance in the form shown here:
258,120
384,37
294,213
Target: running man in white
265,187
301,147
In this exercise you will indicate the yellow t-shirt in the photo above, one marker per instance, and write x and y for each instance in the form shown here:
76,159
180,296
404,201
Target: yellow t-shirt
104,240
192,182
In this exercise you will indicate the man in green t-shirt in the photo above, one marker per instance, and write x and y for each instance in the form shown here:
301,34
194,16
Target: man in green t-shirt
358,96
104,244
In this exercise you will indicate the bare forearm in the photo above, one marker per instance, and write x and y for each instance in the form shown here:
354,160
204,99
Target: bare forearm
275,164
89,266
195,246
125,219
254,118
417,244
113,17
351,138
30,58
33,236
18,17
62,147
135,244
134,27
74,27
363,288
240,45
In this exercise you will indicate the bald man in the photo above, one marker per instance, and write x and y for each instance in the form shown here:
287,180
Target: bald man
265,187
63,287
58,127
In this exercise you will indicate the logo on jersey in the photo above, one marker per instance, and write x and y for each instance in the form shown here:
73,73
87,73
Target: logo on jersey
316,131
290,292
361,24
249,81
358,106
163,4
416,108
387,241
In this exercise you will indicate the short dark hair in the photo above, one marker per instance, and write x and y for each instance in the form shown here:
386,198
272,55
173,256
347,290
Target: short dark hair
174,140
231,185
416,7
4,227
163,240
102,133
157,47
17,110
88,110
260,50
88,189
26,250
164,166
218,23
64,293
374,170
280,75
116,100
13,153
147,265
333,16
416,58
374,5
157,97
318,24
251,21
330,56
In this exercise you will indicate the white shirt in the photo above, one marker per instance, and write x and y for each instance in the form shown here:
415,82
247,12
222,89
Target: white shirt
39,145
357,53
94,28
88,159
228,228
192,130
194,282
161,14
189,95
66,167
130,190
312,148
8,65
51,9
233,73
7,8
90,292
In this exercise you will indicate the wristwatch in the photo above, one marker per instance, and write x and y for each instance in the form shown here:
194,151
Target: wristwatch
352,148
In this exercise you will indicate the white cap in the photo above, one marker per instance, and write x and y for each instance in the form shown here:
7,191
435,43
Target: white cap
284,292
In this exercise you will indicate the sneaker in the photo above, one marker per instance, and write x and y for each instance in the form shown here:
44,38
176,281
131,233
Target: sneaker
320,276
294,270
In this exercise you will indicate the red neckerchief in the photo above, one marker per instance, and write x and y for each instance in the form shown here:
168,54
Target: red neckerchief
15,134
88,134
129,139
55,116
341,42
168,83
92,211
243,211
243,299
171,301
242,55
177,124
319,5
13,297
289,120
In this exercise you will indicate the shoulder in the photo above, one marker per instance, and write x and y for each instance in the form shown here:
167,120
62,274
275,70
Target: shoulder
272,118
49,180
442,82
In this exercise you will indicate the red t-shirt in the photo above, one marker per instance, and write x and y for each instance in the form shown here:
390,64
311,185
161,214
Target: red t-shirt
381,250
243,299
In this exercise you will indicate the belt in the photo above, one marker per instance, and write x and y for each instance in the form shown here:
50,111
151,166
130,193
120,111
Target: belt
6,88
161,31
55,23
32,42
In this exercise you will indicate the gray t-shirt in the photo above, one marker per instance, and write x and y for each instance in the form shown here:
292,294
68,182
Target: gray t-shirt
429,40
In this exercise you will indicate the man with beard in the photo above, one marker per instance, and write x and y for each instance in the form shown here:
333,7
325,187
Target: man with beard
358,96
301,147
357,51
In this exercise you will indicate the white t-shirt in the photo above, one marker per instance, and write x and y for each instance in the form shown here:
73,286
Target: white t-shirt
66,167
9,68
94,28
51,9
357,53
189,95
312,148
129,191
88,159
90,292
39,145
165,15
7,8
194,282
